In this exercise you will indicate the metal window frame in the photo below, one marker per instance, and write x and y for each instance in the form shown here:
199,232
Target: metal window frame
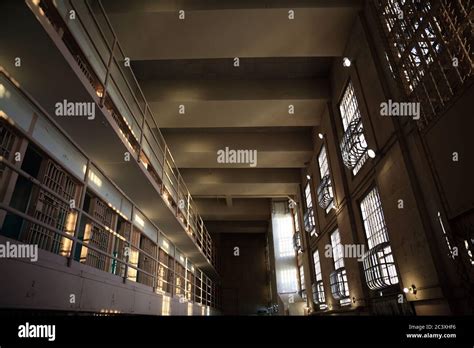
354,148
378,263
339,284
421,48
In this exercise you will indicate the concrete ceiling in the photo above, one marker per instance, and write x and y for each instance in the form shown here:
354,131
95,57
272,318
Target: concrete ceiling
283,64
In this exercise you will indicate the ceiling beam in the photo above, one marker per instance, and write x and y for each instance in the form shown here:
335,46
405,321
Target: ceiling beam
242,182
257,209
214,226
274,149
120,6
268,32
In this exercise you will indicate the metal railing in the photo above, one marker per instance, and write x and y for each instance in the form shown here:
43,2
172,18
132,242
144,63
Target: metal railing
308,219
68,239
354,145
95,47
324,191
121,265
338,283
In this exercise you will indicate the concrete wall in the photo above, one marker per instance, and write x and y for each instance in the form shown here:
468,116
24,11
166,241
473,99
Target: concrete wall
416,241
244,278
49,283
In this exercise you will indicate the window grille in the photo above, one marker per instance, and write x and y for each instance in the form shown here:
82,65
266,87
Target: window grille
302,283
353,144
309,222
297,242
379,265
338,278
430,47
339,285
318,287
325,192
295,218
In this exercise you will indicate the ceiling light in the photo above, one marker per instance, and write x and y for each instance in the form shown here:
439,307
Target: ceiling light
346,62
371,153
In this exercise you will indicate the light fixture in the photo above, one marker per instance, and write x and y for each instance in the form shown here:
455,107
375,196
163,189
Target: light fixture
371,153
321,136
308,176
411,290
346,62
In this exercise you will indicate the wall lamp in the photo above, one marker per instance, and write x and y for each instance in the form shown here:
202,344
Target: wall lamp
411,290
371,153
346,62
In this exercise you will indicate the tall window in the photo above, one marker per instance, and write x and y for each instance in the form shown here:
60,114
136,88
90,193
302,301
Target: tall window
296,219
325,193
309,222
337,250
285,244
285,256
297,236
379,265
338,278
323,162
302,283
353,144
318,287
423,39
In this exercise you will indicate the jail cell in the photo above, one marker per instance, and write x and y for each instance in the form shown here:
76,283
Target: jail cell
120,245
52,211
133,254
179,272
198,288
96,235
208,291
164,271
7,142
145,263
190,279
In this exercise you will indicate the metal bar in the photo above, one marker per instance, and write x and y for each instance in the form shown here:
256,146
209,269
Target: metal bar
79,215
143,109
107,74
